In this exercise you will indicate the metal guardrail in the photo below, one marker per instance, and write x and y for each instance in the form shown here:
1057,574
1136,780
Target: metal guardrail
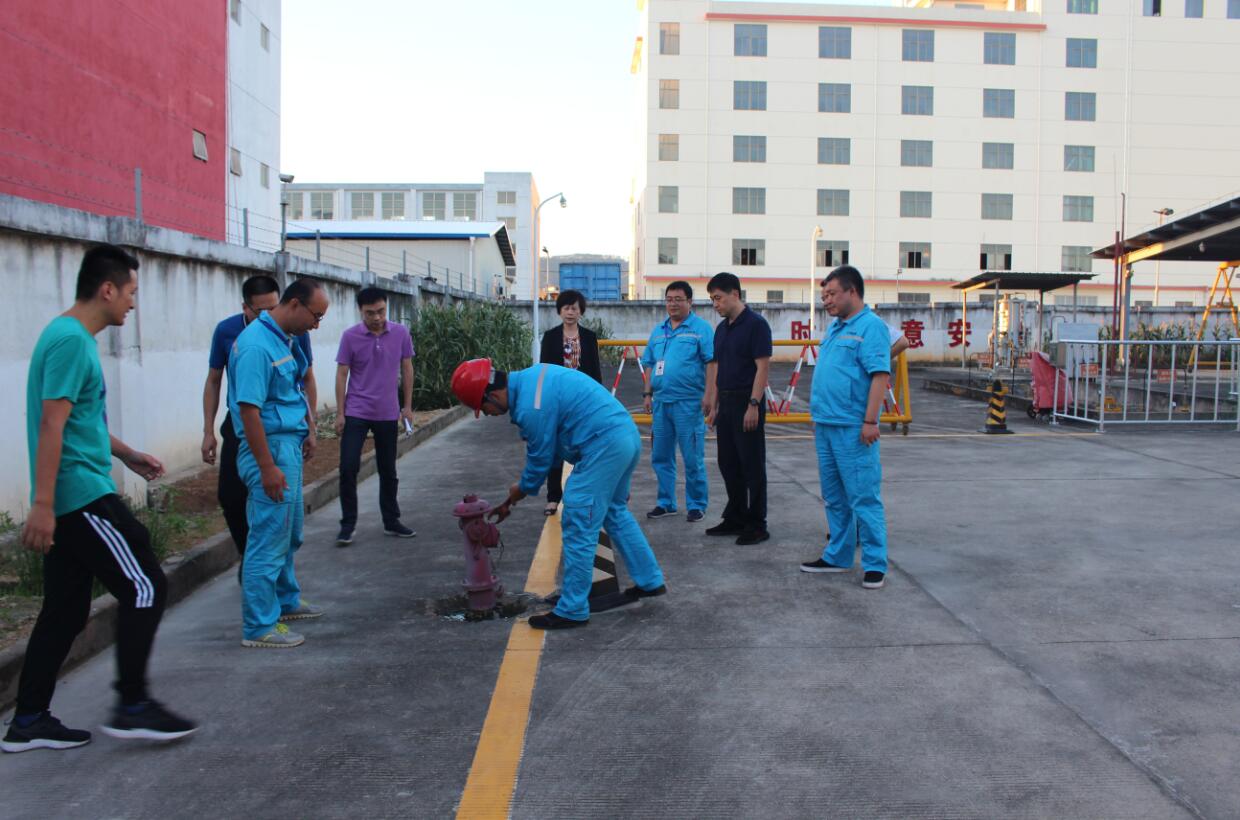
1134,382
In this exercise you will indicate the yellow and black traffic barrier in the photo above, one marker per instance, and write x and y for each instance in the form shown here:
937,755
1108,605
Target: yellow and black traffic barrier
996,415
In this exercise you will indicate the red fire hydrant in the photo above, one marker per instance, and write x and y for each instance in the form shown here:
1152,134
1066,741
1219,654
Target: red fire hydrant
480,583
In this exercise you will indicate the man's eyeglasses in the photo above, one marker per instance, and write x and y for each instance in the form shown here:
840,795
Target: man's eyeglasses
318,317
675,300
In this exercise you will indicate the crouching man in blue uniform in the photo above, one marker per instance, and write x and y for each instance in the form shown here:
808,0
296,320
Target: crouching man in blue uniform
276,429
565,415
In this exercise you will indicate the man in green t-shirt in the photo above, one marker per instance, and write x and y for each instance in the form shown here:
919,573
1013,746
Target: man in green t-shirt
79,523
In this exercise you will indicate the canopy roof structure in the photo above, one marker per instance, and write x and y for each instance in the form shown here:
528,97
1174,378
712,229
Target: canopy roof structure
1211,234
1015,280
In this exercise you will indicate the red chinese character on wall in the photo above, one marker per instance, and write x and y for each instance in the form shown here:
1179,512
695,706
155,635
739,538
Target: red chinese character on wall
800,331
958,335
912,331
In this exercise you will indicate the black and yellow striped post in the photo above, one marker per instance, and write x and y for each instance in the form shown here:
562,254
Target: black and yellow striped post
996,415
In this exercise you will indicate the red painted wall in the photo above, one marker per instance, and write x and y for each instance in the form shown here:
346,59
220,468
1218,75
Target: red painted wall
91,89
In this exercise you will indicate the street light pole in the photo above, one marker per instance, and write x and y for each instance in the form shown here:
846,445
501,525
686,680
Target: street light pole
1162,213
285,179
813,263
534,246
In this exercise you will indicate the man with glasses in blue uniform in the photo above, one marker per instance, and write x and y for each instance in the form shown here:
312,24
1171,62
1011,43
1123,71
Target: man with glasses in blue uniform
277,432
680,375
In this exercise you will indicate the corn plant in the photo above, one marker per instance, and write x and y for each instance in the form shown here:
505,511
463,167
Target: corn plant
446,335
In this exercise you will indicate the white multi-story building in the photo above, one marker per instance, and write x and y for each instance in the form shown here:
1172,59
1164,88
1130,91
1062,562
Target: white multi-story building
505,197
252,185
927,142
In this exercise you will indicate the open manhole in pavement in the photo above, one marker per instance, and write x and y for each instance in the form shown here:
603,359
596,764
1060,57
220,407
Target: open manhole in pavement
456,608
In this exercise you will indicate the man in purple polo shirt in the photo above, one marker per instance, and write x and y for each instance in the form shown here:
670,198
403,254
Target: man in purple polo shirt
372,355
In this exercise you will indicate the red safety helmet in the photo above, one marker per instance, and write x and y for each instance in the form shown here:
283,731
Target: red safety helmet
470,381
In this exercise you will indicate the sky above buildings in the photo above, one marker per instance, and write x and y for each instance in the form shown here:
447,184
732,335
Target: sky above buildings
422,91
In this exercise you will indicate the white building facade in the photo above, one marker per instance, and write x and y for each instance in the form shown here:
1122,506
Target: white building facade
252,183
504,197
929,142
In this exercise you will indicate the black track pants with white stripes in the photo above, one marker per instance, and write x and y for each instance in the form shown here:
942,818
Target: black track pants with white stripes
101,540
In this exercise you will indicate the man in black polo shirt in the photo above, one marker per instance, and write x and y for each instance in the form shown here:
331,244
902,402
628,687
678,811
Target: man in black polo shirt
743,357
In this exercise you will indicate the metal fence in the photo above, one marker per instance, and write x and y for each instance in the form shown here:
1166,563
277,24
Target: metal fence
1148,382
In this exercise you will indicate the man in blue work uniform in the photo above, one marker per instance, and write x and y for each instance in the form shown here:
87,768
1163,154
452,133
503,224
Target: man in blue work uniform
277,431
258,293
854,363
565,415
679,360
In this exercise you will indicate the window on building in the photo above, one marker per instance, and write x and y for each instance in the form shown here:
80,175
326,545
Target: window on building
749,95
832,202
669,38
748,200
1082,301
1082,52
669,147
996,257
774,297
918,46
999,48
914,255
915,204
835,98
834,43
749,40
510,225
393,204
435,205
669,94
834,151
322,205
1076,258
264,37
1177,304
1233,9
914,298
361,205
234,10
831,253
1194,8
1082,6
916,153
264,175
669,199
917,100
200,146
1078,209
296,205
1078,158
465,206
748,148
1151,8
505,197
1080,106
996,206
669,250
999,102
748,252
998,154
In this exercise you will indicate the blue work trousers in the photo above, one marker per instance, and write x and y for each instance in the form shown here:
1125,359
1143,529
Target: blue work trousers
680,424
268,585
851,476
596,496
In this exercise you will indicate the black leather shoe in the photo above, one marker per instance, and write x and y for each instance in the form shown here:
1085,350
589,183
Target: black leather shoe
725,528
553,621
636,592
752,537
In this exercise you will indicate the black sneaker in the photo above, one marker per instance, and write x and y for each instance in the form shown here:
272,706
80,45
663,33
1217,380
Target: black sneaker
399,530
659,512
695,516
636,592
874,579
45,733
345,538
553,621
820,565
749,537
725,528
153,722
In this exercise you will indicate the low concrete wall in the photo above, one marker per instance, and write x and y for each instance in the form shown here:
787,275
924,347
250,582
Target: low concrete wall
156,364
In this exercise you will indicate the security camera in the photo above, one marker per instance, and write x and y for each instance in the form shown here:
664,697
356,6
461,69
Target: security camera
286,178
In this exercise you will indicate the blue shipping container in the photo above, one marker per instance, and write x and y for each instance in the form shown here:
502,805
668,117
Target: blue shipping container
599,281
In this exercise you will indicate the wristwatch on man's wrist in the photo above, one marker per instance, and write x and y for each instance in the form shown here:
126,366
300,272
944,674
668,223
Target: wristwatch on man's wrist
867,421
754,403
647,395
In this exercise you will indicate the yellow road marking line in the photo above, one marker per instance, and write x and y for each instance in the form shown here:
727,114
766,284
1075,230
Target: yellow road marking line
493,774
